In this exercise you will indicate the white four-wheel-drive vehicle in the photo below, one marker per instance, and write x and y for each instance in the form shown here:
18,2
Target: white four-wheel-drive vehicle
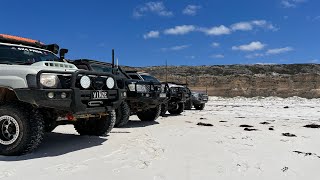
39,91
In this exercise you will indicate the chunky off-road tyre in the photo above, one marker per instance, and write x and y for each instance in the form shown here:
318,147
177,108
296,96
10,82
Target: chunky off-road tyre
164,109
21,129
188,105
178,110
149,114
200,107
50,123
96,126
122,114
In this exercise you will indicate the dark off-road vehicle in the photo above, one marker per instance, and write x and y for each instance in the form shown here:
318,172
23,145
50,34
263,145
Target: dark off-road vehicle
39,91
188,94
174,95
143,98
199,100
176,99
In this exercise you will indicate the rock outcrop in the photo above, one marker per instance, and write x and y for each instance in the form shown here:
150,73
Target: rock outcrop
245,80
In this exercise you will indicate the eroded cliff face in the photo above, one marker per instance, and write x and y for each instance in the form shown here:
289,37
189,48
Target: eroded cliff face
240,80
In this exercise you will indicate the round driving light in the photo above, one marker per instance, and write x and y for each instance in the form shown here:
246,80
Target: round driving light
110,82
85,82
63,95
124,94
51,95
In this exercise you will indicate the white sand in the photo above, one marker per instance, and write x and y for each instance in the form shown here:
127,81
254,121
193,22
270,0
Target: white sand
175,148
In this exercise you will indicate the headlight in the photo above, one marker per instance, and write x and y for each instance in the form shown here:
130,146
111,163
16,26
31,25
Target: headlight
49,80
141,88
85,82
110,82
132,87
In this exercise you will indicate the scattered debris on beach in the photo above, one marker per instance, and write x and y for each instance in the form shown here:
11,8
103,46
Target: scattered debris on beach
204,124
250,129
288,135
265,123
306,154
245,126
314,126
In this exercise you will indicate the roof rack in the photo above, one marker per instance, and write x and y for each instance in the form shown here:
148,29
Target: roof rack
28,42
20,40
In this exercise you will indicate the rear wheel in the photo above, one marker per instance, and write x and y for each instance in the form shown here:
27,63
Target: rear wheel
122,114
149,114
96,126
21,129
200,107
178,110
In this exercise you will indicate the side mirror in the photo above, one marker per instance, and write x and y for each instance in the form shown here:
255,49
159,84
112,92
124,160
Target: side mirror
62,53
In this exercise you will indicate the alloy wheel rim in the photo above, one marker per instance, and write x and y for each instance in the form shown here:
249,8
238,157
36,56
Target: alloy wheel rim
9,130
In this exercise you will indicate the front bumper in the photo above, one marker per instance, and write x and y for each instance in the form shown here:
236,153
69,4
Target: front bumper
77,100
178,97
142,101
199,101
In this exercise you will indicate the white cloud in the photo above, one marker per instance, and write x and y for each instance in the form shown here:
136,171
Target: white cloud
253,46
215,44
191,10
250,25
157,8
270,52
180,30
151,34
255,55
291,3
317,18
216,31
314,61
176,48
190,57
279,50
217,56
242,26
222,29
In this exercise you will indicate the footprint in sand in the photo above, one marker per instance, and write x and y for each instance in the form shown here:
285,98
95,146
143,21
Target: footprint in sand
242,167
5,174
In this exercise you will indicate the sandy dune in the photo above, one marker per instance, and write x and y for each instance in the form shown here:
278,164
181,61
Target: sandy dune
176,148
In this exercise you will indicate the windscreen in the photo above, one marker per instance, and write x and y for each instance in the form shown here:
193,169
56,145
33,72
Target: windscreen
150,78
100,68
106,69
134,76
24,55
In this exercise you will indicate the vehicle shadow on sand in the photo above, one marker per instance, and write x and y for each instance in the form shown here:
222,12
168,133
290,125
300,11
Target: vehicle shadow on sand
57,144
135,123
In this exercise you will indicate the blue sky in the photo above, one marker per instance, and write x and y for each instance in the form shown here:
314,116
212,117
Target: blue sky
195,32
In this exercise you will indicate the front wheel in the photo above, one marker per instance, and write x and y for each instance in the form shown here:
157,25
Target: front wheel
21,129
200,107
96,126
122,114
178,110
149,114
188,105
164,109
